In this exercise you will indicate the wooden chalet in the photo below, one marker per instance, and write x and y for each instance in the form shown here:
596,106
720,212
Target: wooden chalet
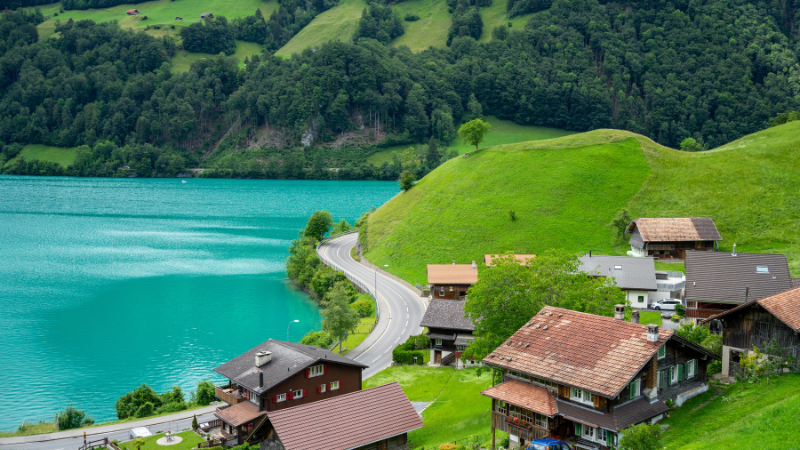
451,281
132,12
379,418
757,323
277,375
522,259
670,237
450,332
717,282
584,378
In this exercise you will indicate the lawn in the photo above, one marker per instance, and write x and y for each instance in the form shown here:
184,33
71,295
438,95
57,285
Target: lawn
670,266
762,414
190,440
336,24
495,15
431,28
63,156
420,383
365,325
182,59
645,317
564,191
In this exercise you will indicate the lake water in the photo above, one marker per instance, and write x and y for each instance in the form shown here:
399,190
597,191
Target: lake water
109,283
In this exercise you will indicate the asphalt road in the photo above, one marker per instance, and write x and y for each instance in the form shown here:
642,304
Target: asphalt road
403,307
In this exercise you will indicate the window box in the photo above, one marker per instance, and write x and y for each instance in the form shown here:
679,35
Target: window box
519,423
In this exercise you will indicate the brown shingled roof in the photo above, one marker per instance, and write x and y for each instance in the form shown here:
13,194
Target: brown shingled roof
525,396
675,229
785,306
596,353
452,274
240,413
347,421
523,259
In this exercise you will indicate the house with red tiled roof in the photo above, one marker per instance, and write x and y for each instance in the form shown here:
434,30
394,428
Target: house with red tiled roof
670,237
757,323
451,281
584,378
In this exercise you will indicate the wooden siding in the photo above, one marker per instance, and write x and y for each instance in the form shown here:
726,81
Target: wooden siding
755,326
499,422
349,378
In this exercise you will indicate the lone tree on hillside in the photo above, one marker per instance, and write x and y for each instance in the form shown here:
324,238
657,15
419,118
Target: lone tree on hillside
473,132
338,318
406,180
319,224
620,222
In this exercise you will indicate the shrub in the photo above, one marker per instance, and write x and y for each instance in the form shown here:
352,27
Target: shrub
415,346
641,437
364,306
512,214
145,410
318,339
205,392
129,404
449,446
411,17
71,417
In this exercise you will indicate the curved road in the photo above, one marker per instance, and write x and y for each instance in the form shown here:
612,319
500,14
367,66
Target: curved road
401,310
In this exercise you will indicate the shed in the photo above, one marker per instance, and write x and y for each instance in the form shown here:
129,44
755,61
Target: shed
133,12
206,16
179,18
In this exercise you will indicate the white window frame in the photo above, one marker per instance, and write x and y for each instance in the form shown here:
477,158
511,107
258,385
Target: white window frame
598,433
334,385
254,398
297,393
690,369
280,398
581,396
540,420
502,407
323,388
590,436
662,352
674,378
460,348
438,342
315,371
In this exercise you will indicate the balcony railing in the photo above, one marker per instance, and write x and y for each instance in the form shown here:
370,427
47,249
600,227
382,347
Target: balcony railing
229,396
703,313
529,433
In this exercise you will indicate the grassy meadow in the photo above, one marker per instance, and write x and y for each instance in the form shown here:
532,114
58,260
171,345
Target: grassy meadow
182,60
495,15
336,24
564,191
63,156
431,28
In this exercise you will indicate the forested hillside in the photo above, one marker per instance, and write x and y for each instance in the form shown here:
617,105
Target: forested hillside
713,70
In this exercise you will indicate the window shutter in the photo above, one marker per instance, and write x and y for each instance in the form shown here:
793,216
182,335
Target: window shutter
290,395
577,429
274,399
308,372
609,439
340,385
305,392
319,389
695,367
324,369
680,372
632,390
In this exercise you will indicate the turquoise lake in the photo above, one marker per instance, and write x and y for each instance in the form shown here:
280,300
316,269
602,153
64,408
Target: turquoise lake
106,284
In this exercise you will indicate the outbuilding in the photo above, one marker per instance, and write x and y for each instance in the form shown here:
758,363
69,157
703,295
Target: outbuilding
133,12
206,16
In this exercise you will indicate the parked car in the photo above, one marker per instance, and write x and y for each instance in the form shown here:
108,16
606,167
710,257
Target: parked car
548,444
668,304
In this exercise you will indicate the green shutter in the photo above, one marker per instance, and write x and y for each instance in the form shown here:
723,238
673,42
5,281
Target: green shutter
695,367
631,390
577,429
609,439
661,379
681,372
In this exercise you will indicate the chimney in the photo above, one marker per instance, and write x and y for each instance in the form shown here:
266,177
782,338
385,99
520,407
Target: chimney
734,249
635,317
652,333
260,379
474,266
746,294
590,253
619,312
263,357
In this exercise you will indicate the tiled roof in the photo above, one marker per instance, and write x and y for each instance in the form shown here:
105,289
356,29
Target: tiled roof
446,314
452,274
239,413
525,396
622,417
523,259
596,353
722,277
347,421
629,272
288,358
675,229
785,306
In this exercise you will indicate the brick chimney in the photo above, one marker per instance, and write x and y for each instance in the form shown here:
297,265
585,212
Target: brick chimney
619,312
652,333
635,317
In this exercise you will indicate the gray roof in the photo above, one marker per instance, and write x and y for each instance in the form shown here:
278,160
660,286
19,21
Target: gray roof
629,272
446,314
288,358
464,338
622,417
722,277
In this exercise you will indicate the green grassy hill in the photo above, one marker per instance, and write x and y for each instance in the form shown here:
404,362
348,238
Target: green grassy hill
63,156
564,191
336,24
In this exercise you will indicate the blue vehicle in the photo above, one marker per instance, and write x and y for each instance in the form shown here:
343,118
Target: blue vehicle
548,444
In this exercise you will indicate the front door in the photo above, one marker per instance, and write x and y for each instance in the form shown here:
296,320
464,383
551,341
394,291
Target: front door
437,357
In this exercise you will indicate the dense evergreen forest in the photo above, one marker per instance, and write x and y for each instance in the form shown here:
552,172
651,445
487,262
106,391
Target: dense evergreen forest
713,70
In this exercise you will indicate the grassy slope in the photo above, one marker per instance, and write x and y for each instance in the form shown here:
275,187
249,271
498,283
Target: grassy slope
430,30
335,24
495,15
182,59
63,156
565,190
762,414
503,132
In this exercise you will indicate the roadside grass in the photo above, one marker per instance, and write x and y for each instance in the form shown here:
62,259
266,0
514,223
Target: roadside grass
671,266
645,317
62,156
420,383
495,15
562,198
766,414
336,24
363,328
431,28
190,440
182,60
564,191
30,429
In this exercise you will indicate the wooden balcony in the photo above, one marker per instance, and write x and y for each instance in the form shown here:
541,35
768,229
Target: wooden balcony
530,433
229,396
703,313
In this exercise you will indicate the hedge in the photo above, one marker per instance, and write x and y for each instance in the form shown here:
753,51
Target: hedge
405,352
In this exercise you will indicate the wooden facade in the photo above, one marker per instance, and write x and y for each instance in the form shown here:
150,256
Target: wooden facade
449,291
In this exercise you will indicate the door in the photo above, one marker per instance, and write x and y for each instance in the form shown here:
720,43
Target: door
437,357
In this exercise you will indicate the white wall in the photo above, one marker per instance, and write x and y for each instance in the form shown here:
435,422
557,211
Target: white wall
633,298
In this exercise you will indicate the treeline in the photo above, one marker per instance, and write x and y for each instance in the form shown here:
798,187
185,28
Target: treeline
210,36
285,22
467,19
144,401
87,4
380,23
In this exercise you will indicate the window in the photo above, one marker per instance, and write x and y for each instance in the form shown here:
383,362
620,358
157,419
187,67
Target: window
521,413
540,420
438,342
762,330
691,368
601,435
441,292
315,371
662,352
635,388
334,385
322,388
502,407
460,348
641,299
588,432
762,269
673,375
581,396
297,394
279,398
254,397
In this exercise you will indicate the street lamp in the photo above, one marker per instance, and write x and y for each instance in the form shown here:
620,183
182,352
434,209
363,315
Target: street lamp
287,328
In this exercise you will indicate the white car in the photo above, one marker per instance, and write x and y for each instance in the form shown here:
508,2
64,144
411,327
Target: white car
668,304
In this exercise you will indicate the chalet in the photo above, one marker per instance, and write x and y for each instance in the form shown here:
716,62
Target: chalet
523,259
206,16
277,375
372,419
667,238
757,323
584,378
716,282
450,332
451,281
133,12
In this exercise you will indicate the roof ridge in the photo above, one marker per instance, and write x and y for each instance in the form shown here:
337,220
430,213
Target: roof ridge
608,318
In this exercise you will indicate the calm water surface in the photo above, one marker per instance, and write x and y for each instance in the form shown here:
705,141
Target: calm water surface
109,283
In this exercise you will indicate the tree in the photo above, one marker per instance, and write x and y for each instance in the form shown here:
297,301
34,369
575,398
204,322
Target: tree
132,403
205,392
701,335
319,224
474,107
138,443
338,319
473,132
692,145
620,222
406,180
641,437
341,227
432,156
507,296
71,417
195,426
